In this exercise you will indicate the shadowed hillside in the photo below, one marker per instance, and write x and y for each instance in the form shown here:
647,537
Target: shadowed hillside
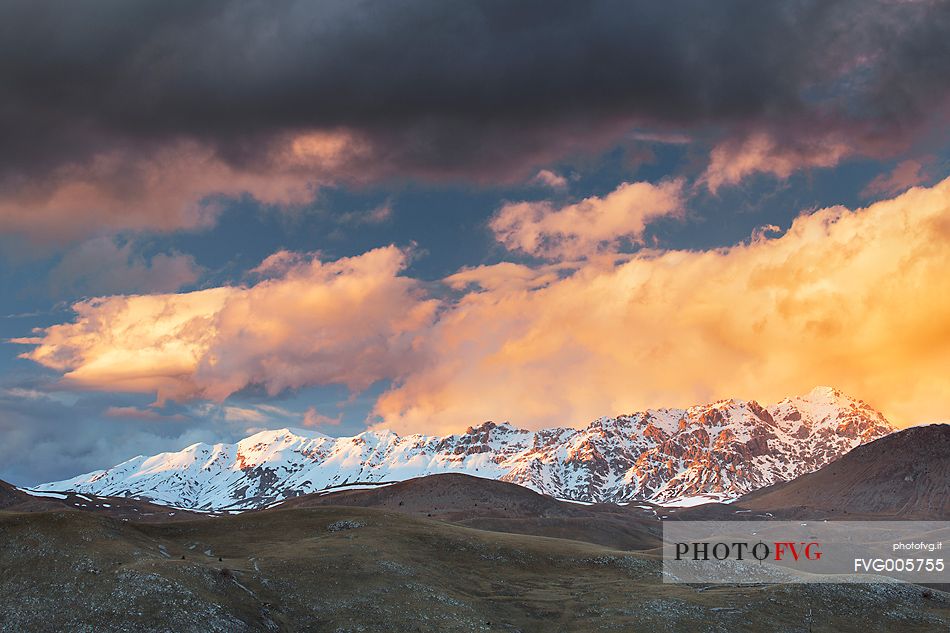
14,500
501,506
9,495
905,476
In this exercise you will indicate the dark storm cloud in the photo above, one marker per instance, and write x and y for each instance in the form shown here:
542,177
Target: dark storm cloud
439,89
50,435
45,438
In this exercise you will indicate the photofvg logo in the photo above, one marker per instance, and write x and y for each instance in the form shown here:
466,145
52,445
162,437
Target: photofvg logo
731,552
740,550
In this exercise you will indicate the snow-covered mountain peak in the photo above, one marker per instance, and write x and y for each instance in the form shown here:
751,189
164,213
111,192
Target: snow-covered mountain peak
828,410
716,451
824,400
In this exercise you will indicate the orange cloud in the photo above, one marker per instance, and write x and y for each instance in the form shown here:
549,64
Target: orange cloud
860,300
856,299
735,159
505,275
591,225
352,321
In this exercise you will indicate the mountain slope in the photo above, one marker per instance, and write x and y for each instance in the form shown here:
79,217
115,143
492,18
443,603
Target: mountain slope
710,452
13,499
10,496
906,475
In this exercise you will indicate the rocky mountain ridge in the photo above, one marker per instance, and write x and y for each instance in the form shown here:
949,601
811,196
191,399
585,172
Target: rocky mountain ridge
712,452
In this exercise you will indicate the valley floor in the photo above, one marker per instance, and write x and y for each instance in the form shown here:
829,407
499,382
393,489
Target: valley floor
361,569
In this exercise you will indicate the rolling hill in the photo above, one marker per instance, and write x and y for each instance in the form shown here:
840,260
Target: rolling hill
905,475
369,570
500,506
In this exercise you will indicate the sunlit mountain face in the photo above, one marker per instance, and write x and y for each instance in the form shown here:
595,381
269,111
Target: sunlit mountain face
702,454
399,221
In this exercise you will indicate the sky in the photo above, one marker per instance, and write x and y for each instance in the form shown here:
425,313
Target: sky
221,217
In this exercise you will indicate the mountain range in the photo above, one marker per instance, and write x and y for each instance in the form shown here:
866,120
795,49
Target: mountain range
391,555
712,452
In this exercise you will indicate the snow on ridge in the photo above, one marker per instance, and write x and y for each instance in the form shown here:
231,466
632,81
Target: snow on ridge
717,451
43,493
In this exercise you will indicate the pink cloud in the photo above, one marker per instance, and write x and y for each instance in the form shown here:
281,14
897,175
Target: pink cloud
858,299
177,186
135,413
735,159
589,226
505,275
352,321
103,266
906,174
283,261
548,178
314,419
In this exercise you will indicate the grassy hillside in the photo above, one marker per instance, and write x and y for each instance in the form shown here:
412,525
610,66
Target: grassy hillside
359,569
500,506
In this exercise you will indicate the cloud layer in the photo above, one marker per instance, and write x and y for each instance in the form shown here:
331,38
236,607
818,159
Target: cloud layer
353,322
133,117
858,299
